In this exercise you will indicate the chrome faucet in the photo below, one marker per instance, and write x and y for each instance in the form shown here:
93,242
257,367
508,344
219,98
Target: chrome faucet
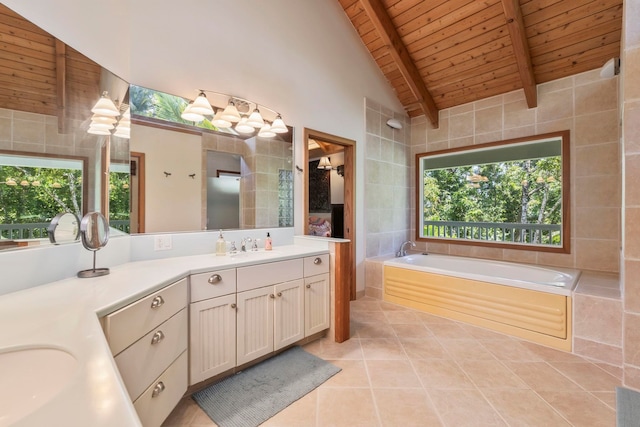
243,244
403,251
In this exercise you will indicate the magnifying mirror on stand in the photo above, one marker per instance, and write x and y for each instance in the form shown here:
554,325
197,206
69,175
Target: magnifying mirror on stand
64,228
94,232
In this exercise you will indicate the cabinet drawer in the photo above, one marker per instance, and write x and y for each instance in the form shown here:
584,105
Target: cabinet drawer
316,265
213,284
257,276
157,402
127,325
143,361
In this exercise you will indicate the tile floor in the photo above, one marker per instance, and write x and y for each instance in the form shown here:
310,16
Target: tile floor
406,368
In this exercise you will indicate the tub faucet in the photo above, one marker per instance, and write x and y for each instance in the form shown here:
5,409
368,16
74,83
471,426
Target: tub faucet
403,251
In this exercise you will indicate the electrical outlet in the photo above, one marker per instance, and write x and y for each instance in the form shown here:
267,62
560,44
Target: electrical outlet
162,243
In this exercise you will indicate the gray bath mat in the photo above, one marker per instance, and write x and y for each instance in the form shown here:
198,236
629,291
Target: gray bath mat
627,407
254,395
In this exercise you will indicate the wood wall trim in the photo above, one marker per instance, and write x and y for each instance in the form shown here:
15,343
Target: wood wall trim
343,279
398,51
515,24
61,85
141,189
349,190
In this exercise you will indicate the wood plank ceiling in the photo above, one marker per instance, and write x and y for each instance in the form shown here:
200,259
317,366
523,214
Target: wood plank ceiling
438,54
40,74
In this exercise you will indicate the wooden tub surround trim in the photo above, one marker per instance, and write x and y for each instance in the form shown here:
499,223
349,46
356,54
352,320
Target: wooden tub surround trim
544,318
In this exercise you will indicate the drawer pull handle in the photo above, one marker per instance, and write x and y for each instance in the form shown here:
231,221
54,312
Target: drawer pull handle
159,388
317,261
157,337
157,302
233,305
279,294
308,286
215,278
272,296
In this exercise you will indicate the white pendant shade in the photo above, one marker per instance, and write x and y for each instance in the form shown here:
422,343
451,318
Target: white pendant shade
278,125
122,133
266,132
255,119
105,126
230,113
189,115
233,116
98,131
201,105
324,163
97,118
219,122
105,106
244,127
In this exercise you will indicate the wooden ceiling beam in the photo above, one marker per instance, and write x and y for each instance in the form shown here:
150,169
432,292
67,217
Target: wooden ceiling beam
383,24
515,24
61,84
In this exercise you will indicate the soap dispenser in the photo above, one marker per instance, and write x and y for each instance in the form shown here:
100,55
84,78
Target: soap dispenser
268,244
221,246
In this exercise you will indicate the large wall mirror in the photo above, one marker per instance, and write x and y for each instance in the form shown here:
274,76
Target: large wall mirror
509,194
47,92
199,177
49,161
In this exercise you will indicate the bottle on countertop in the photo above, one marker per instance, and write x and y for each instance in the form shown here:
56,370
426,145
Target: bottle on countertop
268,244
221,245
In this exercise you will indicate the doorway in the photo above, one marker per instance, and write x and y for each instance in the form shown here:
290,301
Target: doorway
137,193
330,144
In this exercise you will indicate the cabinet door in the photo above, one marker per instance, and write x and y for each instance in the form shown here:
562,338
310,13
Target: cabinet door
288,313
212,337
316,304
255,324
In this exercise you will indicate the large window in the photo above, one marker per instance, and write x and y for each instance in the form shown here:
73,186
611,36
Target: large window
36,187
511,194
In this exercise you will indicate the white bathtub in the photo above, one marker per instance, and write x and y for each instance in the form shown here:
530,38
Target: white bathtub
556,281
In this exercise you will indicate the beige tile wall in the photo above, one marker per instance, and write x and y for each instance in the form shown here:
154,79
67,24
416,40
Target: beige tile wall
630,63
587,106
261,161
387,181
38,133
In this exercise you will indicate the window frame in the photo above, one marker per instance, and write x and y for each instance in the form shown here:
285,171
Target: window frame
566,195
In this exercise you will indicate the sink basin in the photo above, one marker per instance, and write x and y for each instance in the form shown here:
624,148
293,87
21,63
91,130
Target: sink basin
30,377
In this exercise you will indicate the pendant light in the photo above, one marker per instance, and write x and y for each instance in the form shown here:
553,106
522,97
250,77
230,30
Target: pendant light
219,122
324,163
230,113
278,125
105,106
201,105
266,132
188,114
255,119
243,126
98,131
122,132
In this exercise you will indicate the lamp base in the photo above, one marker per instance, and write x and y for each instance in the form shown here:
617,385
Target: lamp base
93,272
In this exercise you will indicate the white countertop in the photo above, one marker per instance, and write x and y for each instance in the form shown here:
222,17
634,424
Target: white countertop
65,315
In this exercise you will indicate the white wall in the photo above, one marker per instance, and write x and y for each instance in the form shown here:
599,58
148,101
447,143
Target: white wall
302,58
171,203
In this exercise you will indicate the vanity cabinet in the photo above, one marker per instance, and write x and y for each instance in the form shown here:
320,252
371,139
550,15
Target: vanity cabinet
148,340
317,294
238,315
270,308
212,320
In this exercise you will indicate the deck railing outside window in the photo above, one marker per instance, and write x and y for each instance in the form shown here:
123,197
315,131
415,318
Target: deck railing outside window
548,234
